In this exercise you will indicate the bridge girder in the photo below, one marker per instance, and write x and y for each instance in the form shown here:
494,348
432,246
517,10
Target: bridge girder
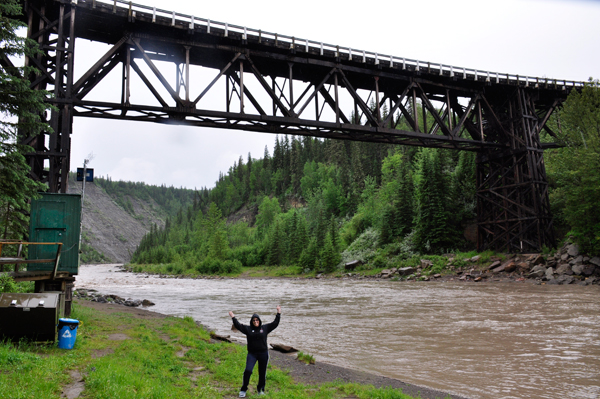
291,88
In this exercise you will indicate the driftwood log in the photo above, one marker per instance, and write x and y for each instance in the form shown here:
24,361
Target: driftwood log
283,348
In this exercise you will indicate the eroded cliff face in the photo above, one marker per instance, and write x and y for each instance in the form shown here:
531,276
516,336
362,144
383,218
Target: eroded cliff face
111,230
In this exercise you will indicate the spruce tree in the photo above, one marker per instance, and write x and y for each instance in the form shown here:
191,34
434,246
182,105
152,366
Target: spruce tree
405,200
433,230
21,108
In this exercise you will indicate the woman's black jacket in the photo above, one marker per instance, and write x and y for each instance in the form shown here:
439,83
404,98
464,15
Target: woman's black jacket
257,336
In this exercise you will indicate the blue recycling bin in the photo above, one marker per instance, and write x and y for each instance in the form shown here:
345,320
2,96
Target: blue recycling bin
67,333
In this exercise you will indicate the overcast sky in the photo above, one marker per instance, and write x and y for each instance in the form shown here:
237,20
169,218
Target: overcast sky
551,38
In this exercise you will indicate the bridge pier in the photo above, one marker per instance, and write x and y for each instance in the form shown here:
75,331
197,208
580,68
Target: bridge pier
50,159
513,207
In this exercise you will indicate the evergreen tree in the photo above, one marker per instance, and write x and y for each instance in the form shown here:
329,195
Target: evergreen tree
433,230
388,221
21,108
309,257
405,202
275,245
267,211
574,170
219,246
330,257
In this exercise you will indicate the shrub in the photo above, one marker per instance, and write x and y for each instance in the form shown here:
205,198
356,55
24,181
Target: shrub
363,248
306,358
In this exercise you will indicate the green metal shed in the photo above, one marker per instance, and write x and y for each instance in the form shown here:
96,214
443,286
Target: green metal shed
55,218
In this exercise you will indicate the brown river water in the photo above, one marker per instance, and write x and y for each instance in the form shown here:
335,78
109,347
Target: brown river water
478,340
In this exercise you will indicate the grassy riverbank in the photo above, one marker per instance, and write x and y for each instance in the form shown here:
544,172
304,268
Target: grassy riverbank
442,264
126,355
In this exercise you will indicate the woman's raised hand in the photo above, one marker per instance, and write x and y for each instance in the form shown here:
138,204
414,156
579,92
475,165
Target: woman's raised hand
231,314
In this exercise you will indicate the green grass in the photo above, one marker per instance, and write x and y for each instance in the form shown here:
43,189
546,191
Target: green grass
163,358
441,264
306,358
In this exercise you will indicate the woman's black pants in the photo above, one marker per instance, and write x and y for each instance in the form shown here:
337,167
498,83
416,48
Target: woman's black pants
263,362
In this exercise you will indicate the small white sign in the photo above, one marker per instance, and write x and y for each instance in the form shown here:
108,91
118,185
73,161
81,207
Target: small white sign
67,334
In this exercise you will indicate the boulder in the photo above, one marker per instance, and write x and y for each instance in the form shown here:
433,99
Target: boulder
576,260
564,257
510,267
498,269
595,261
577,269
564,268
426,263
538,271
523,267
352,265
564,279
588,270
405,271
134,303
550,273
146,303
537,260
494,265
387,271
478,279
475,258
573,250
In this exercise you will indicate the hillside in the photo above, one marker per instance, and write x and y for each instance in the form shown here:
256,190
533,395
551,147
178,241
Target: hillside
110,232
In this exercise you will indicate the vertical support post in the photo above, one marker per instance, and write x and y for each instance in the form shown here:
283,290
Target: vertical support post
480,120
449,108
424,115
414,109
242,86
337,103
127,76
187,73
227,94
273,87
317,113
291,75
377,109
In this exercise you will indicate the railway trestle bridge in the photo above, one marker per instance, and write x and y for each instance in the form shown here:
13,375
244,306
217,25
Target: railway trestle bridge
274,83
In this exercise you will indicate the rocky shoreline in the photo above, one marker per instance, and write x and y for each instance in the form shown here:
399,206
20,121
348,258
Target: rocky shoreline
566,266
95,296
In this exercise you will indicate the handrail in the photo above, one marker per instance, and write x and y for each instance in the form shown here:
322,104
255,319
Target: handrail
19,260
307,45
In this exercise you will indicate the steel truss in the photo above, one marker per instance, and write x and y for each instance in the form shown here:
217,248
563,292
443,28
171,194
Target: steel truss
290,88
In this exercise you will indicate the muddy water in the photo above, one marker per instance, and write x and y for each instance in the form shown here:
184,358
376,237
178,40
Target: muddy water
477,340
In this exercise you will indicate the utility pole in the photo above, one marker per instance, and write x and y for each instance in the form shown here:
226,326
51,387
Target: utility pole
85,163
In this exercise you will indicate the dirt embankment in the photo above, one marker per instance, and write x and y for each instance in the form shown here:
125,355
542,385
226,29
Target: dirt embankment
108,228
